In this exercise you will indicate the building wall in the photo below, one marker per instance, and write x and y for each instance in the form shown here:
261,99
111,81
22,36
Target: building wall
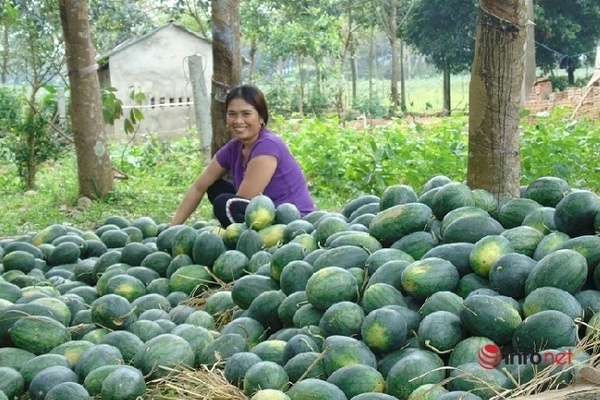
158,67
585,100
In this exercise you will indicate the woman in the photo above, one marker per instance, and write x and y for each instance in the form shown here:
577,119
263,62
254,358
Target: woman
258,161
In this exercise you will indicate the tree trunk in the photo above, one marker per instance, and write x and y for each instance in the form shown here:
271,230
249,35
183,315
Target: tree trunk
371,58
227,64
5,53
354,71
447,90
402,79
252,59
32,163
301,88
494,98
393,27
94,170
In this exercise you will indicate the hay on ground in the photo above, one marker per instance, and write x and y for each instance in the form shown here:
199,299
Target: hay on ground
195,384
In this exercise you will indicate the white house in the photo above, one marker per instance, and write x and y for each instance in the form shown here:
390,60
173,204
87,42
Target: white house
156,64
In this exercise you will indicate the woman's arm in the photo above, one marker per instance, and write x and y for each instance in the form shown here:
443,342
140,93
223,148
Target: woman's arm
192,198
259,172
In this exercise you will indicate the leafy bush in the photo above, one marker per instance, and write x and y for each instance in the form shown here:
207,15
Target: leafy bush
28,136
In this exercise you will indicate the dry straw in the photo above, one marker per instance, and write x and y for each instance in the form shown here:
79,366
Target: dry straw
202,383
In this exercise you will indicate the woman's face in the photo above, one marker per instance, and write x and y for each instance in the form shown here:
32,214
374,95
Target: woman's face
243,120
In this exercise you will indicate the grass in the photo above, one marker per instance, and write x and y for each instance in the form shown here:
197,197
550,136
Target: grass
146,191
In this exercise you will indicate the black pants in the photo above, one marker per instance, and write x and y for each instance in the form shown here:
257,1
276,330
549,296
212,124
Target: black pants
227,207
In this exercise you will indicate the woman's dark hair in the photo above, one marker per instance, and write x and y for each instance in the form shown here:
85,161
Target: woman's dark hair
252,95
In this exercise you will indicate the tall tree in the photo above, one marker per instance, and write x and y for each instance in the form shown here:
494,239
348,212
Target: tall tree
255,15
94,170
8,18
198,11
307,34
495,97
35,60
444,31
564,31
116,21
227,64
387,12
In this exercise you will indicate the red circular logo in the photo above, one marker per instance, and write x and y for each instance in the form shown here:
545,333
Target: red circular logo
489,356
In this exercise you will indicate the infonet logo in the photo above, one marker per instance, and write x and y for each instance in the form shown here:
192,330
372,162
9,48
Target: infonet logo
489,356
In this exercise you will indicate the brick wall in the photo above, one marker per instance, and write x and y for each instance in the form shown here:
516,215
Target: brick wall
542,99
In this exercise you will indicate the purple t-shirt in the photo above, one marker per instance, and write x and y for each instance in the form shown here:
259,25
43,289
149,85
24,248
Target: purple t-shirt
288,184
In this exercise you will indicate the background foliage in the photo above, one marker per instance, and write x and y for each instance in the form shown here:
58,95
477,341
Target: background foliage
364,160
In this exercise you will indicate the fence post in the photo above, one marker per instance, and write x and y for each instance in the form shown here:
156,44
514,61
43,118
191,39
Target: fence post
201,105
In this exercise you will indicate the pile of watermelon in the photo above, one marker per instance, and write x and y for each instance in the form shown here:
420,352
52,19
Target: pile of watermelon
441,293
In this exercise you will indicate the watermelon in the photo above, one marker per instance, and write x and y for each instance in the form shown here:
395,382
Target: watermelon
123,383
468,350
548,329
296,228
269,394
551,298
491,317
306,365
166,350
424,277
384,330
298,344
331,285
436,181
260,212
286,213
38,334
564,269
379,295
342,318
327,226
294,276
237,365
397,194
575,213
541,219
417,368
112,311
339,351
95,357
486,251
207,247
471,228
512,212
67,391
441,301
45,380
284,255
356,379
485,200
450,197
509,274
547,190
482,382
549,243
265,375
397,221
416,244
428,391
440,332
312,388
